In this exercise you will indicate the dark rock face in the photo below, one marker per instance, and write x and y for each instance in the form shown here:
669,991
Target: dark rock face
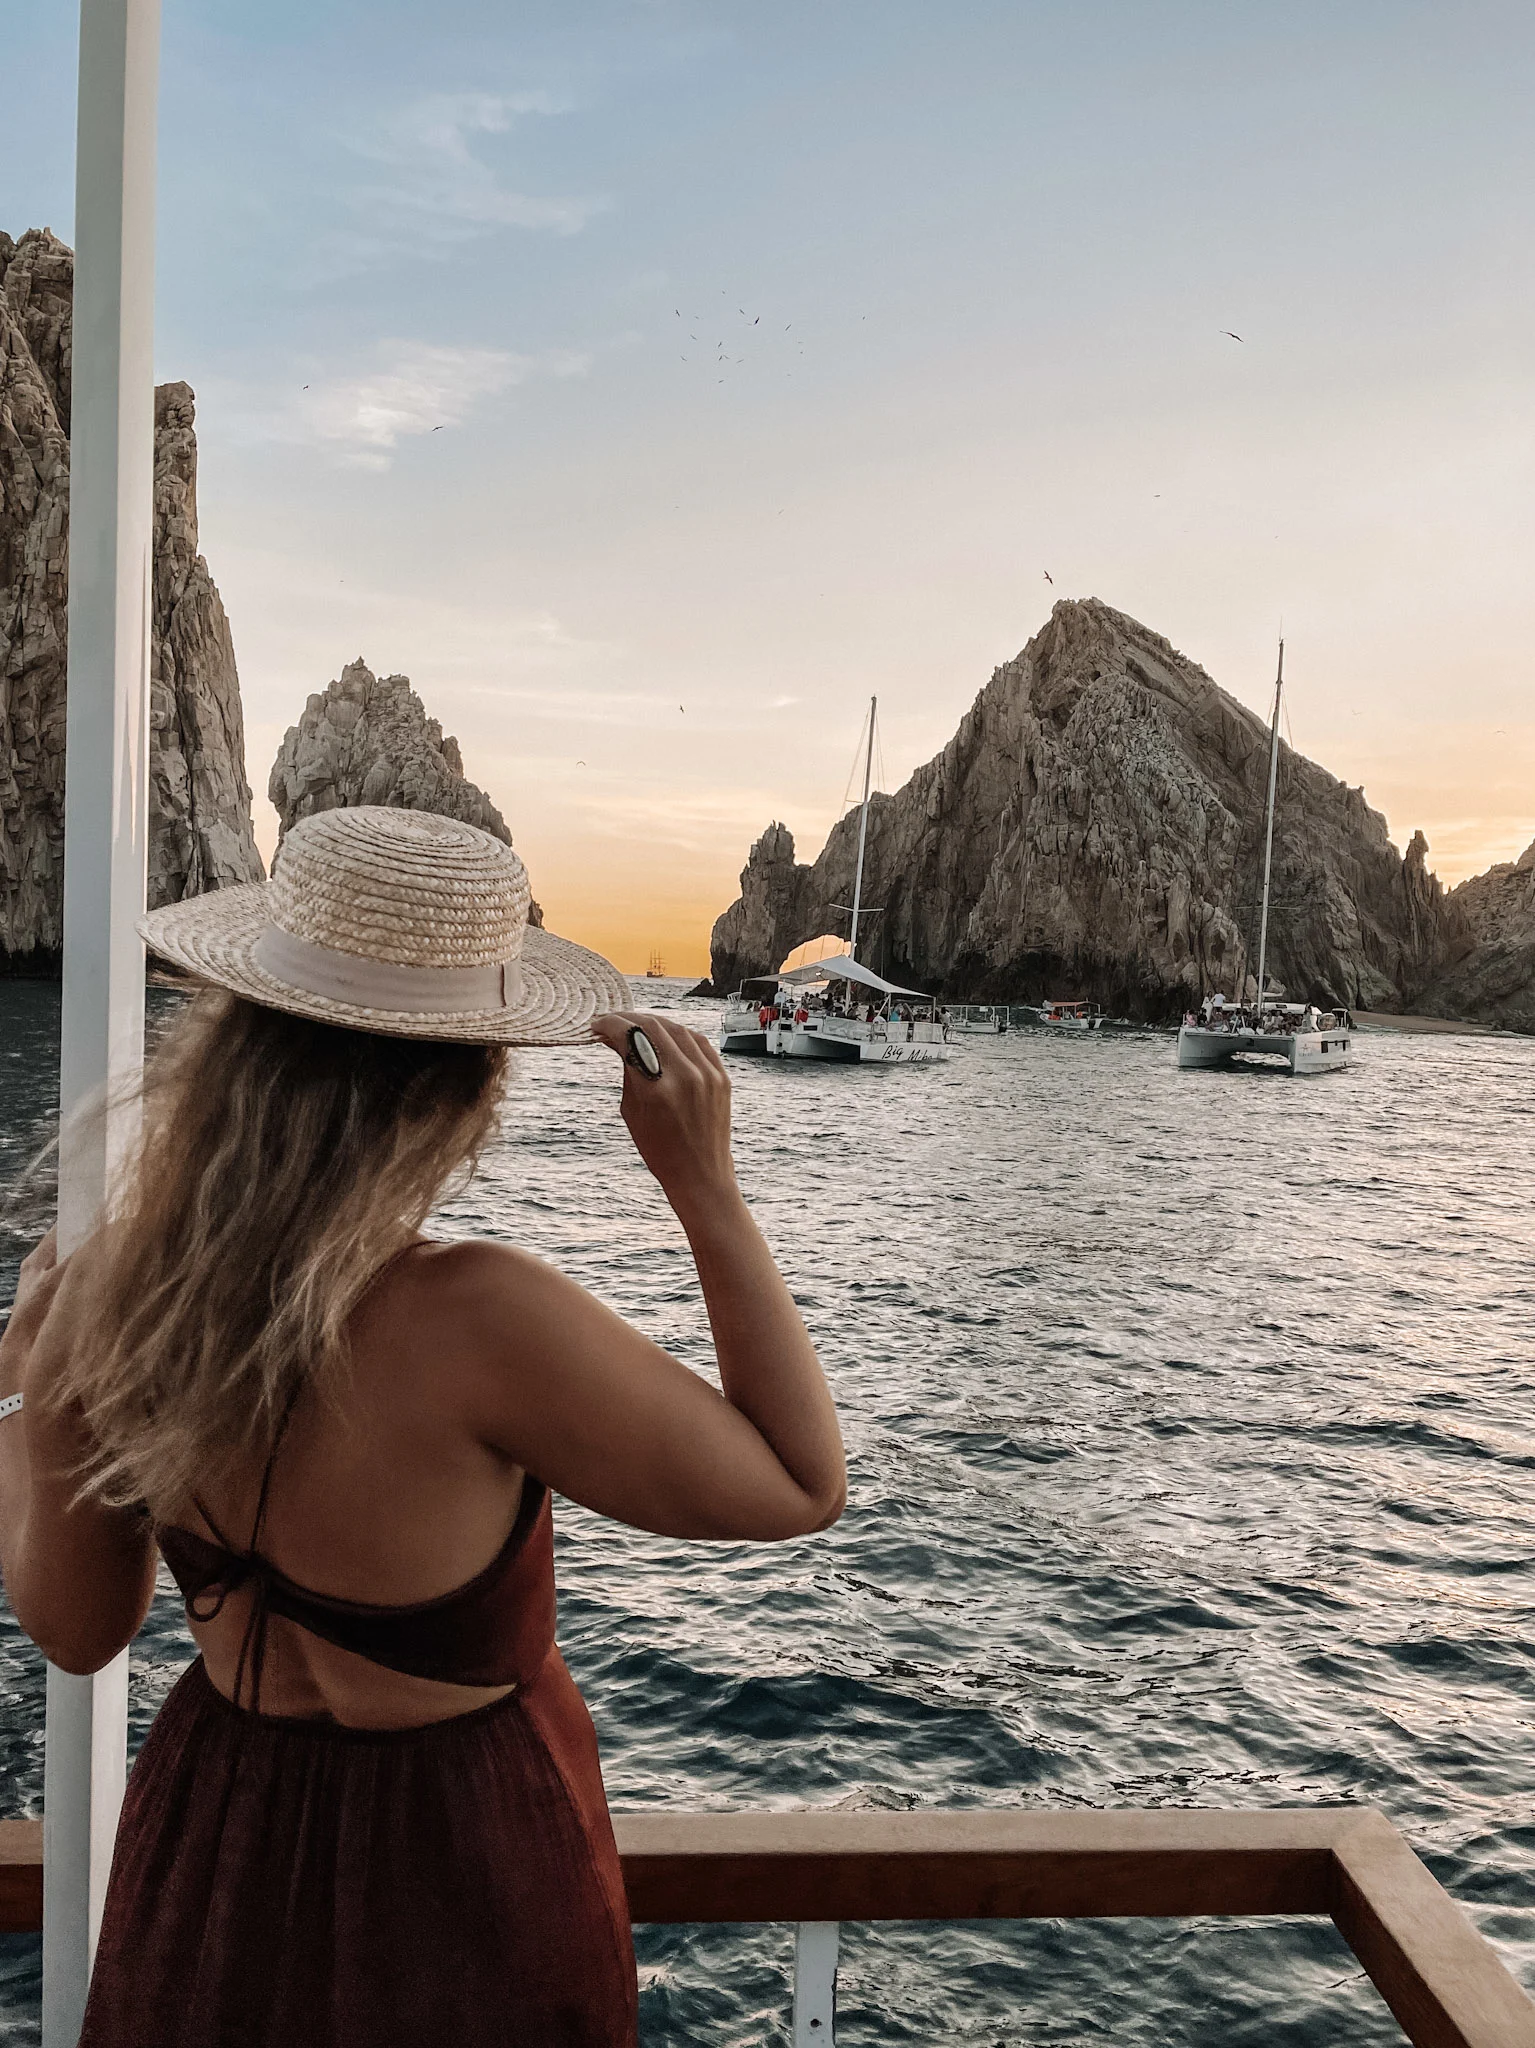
200,803
366,739
1094,829
1493,983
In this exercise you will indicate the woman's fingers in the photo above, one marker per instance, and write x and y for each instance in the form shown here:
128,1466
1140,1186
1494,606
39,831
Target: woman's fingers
612,1029
676,1041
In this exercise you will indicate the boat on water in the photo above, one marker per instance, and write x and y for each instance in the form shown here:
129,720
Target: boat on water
1269,1031
837,1010
655,971
985,1019
1063,1016
1294,1035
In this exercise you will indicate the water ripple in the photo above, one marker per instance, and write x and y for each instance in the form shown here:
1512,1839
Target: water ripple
1190,1421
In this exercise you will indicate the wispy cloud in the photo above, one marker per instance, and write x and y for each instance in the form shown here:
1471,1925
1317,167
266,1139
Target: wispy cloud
435,176
412,388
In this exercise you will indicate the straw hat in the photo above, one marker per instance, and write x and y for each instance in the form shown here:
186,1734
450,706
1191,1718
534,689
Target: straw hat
398,922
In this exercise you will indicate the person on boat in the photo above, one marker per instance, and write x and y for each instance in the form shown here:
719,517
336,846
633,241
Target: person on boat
371,1813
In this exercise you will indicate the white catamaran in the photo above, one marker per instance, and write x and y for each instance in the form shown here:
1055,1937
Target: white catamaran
838,1010
1268,1031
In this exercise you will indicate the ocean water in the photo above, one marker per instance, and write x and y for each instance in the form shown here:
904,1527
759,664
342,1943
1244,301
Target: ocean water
1191,1422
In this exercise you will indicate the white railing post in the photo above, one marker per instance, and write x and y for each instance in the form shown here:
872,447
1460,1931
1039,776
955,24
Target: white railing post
815,1983
106,819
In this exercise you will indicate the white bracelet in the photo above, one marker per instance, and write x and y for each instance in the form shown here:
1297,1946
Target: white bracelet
11,1405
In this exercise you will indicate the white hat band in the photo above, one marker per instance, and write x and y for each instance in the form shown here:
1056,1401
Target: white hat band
384,984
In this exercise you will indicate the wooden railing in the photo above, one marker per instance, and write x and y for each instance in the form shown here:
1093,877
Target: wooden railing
1444,1983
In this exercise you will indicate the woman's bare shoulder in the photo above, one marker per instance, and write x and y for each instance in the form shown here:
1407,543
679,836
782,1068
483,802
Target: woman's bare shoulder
478,1283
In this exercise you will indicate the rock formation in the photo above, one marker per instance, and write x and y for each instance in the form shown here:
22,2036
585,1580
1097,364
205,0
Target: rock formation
1093,829
200,806
1493,983
366,739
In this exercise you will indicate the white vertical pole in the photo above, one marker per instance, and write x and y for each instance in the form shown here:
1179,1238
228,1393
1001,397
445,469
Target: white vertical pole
106,831
815,1983
863,830
1268,836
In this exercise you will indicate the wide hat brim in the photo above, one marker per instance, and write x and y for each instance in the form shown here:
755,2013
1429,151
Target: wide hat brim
563,986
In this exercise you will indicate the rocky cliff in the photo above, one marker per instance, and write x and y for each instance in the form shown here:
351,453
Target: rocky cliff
1494,982
200,805
1093,829
366,739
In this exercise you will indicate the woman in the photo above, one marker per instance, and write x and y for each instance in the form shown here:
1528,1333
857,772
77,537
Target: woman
371,1812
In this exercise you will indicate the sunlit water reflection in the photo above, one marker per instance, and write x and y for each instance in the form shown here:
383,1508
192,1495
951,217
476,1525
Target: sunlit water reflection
1192,1445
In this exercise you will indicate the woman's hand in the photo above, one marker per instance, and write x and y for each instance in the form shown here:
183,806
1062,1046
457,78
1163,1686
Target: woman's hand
679,1119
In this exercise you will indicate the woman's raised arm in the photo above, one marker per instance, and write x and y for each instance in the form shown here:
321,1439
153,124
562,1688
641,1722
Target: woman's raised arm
608,1418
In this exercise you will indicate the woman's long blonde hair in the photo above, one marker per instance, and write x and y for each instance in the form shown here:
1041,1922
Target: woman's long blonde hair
281,1162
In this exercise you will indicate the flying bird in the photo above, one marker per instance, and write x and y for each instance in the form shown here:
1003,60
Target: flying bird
580,764
438,430
1229,335
1050,579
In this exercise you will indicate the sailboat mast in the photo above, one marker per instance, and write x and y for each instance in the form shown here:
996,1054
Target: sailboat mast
863,829
1268,836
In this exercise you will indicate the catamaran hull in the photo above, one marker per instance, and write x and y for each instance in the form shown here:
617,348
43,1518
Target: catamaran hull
741,1033
857,1045
1305,1052
747,1041
897,1052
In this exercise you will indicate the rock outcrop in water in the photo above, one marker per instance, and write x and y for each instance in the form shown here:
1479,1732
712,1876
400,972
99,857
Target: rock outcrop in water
367,739
1093,829
1493,983
200,803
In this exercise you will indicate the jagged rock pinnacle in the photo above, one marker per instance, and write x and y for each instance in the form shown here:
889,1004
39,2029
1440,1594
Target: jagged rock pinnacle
200,833
1091,830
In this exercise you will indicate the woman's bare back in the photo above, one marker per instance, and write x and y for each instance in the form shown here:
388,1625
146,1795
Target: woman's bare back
390,1500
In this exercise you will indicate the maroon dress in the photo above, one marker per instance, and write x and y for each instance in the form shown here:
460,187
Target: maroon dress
282,1883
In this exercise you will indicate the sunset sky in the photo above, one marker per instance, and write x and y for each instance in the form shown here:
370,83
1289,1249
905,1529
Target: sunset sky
651,382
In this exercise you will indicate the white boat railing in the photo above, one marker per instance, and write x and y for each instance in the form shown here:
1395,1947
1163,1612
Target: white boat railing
1446,1985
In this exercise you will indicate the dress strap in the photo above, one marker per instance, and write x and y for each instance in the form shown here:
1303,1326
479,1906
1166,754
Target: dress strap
248,1567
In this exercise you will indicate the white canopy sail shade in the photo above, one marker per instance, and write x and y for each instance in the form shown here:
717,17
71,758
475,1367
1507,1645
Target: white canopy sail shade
843,967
